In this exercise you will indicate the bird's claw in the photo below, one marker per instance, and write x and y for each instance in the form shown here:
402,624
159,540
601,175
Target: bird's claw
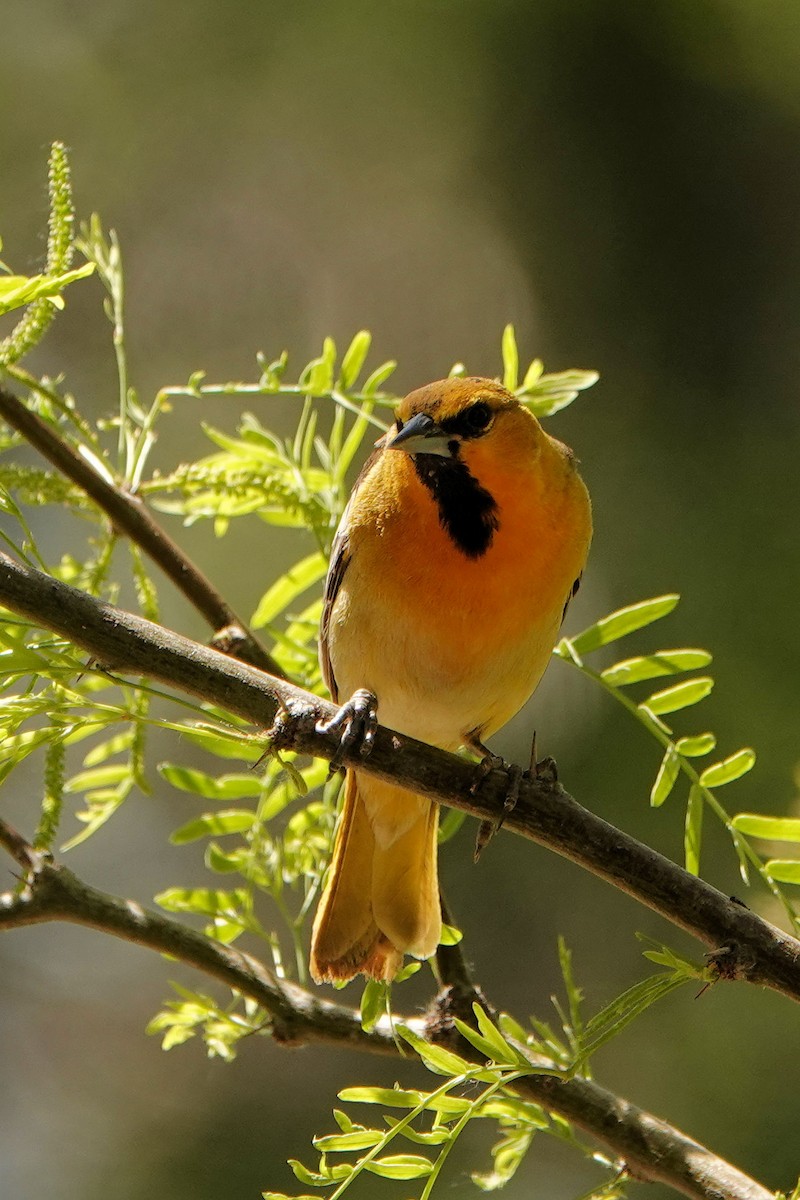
544,771
357,723
489,762
515,774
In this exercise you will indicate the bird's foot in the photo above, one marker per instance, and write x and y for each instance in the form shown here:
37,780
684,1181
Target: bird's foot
544,770
356,722
493,762
492,825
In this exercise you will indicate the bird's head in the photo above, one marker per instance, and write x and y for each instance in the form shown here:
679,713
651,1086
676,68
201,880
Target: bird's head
473,421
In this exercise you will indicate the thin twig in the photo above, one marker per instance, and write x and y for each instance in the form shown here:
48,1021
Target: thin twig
20,850
650,1148
744,945
130,517
452,968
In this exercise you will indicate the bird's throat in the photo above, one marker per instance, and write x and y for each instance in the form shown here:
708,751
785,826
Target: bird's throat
467,512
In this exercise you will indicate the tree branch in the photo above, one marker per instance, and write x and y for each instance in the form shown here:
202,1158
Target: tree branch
649,1148
652,1150
129,516
51,892
744,945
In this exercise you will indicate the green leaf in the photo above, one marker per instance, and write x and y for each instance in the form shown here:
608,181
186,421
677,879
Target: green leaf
650,666
17,747
225,787
400,1166
488,1039
283,1196
433,1137
693,830
219,743
775,829
390,1097
317,377
310,1177
665,779
481,1044
533,374
622,622
98,777
373,1003
682,695
738,764
399,1098
548,394
353,440
624,1008
345,1123
407,971
107,749
436,1058
354,358
207,901
379,377
510,359
285,590
450,823
450,936
696,745
224,863
18,290
363,1139
784,870
216,824
507,1155
511,1028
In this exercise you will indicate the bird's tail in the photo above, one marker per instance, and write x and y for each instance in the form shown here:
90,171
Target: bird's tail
382,896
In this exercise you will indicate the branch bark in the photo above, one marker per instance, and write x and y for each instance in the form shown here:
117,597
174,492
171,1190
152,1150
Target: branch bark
650,1149
130,516
744,946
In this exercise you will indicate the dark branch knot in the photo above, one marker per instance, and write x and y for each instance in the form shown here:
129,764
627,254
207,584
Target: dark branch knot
731,961
294,724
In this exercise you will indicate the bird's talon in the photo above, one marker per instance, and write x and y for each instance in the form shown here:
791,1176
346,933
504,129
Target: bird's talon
488,763
489,827
357,719
515,777
486,831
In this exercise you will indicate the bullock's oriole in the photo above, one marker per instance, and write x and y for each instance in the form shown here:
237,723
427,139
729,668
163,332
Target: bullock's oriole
463,541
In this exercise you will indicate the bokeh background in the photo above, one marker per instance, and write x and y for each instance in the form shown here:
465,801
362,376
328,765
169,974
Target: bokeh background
622,181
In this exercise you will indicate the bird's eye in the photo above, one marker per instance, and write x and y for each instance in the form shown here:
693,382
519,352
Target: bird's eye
478,417
399,423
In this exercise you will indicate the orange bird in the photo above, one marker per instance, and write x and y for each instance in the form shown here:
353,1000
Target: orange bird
462,543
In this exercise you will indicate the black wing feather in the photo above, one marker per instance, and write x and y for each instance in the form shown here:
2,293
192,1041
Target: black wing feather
340,557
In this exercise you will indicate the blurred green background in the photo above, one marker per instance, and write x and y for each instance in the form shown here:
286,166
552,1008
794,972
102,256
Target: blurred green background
622,181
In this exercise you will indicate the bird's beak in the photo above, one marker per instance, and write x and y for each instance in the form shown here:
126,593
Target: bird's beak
420,435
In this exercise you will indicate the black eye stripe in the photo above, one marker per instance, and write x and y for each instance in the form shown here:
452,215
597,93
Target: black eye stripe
471,422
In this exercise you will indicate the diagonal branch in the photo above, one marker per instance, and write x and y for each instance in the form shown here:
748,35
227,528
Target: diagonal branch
130,516
744,946
51,892
649,1148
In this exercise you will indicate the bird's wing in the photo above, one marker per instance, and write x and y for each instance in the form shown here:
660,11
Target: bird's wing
340,557
572,592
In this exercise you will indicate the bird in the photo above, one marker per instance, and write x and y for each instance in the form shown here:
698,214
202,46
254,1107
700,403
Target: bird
459,550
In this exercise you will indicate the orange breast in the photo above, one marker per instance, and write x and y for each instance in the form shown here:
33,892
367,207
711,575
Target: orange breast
447,642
